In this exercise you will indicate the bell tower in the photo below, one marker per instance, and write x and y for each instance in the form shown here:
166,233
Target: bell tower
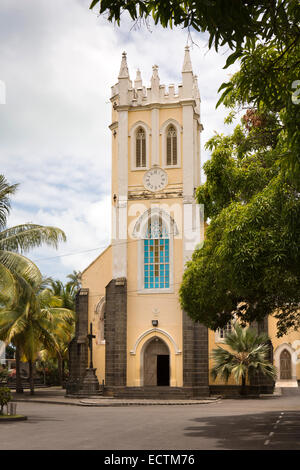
144,338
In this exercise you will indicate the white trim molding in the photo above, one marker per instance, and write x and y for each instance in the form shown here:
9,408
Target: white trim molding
163,132
99,317
141,223
132,134
149,332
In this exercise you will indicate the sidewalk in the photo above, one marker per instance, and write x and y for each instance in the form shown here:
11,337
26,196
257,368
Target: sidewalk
56,396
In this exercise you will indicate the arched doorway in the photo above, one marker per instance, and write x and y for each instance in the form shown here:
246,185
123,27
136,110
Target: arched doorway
156,363
285,365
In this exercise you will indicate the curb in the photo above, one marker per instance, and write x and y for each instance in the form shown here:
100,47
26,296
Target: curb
120,404
140,403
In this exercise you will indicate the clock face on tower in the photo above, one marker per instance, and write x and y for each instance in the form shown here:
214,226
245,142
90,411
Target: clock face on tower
155,179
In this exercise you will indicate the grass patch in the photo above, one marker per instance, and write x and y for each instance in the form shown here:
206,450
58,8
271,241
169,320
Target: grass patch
10,416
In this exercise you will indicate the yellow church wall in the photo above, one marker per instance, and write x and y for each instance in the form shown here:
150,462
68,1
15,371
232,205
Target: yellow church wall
135,178
213,344
96,277
170,113
292,339
141,308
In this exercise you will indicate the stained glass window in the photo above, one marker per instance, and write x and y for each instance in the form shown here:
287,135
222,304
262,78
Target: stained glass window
156,256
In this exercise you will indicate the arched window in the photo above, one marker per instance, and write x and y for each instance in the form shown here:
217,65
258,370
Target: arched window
171,146
100,321
140,148
156,254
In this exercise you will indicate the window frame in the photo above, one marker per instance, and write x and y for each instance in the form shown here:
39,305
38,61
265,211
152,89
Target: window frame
172,153
226,329
142,224
133,134
163,132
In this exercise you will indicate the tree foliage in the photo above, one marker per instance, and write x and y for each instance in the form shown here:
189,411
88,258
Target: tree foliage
5,398
21,321
250,261
227,22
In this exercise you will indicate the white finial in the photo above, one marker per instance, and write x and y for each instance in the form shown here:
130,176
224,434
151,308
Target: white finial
138,81
155,71
124,69
187,64
155,77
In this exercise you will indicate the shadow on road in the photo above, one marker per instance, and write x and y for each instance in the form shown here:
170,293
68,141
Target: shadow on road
249,431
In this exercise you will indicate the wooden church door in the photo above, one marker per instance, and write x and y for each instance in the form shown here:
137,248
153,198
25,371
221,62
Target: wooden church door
285,365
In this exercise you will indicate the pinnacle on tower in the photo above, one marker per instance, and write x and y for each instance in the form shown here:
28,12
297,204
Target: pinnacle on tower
155,72
124,69
187,64
155,83
138,81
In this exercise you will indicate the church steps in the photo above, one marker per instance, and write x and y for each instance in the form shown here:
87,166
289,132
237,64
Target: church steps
155,392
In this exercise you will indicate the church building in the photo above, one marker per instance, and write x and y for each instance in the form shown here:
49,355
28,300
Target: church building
144,341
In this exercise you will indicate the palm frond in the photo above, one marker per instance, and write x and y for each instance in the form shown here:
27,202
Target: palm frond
27,236
6,190
8,286
19,264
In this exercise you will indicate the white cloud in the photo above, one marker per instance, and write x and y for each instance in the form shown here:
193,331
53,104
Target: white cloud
58,61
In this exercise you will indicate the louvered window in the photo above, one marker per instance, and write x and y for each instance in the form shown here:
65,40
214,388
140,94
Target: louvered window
140,148
171,146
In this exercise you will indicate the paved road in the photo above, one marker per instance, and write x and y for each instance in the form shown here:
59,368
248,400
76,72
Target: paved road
268,423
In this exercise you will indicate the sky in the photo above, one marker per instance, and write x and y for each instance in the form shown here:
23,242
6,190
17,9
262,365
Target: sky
58,61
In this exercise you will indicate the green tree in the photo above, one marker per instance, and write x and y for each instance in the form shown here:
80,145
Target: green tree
227,22
35,323
247,356
60,303
250,261
75,282
64,292
62,296
18,274
5,398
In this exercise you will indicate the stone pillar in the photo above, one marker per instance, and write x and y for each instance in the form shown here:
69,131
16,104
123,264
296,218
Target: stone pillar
116,333
195,356
265,384
78,348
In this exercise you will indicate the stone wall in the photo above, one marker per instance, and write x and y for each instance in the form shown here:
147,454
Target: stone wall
195,355
116,333
78,348
261,380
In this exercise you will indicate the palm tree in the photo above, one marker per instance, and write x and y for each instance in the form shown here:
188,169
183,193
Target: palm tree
18,274
36,323
59,297
64,292
75,282
247,356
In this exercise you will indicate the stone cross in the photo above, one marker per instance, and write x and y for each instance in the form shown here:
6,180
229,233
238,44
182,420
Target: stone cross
90,337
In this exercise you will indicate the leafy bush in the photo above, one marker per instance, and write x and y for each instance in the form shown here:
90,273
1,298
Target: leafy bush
5,397
3,375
